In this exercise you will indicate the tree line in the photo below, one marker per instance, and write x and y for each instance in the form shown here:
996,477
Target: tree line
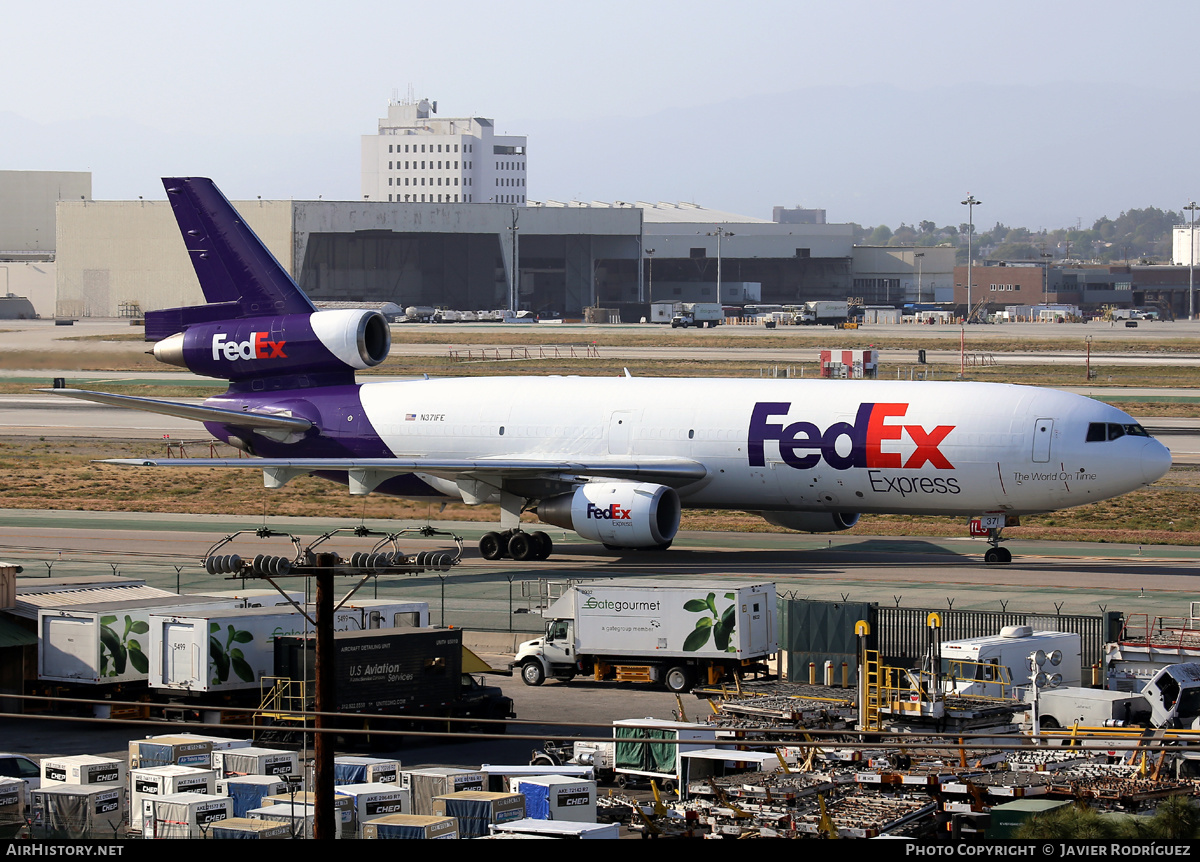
1136,236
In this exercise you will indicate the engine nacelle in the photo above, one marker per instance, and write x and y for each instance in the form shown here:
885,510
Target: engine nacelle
622,514
341,340
812,522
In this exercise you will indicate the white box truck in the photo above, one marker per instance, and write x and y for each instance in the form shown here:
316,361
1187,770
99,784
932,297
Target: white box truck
993,665
828,312
698,314
669,632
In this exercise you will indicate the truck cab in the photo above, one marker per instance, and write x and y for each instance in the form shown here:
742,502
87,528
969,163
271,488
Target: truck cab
1174,696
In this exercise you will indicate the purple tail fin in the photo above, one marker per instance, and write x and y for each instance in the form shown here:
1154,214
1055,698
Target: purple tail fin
239,276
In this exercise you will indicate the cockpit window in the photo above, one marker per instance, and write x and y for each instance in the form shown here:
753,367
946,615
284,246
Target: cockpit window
1098,432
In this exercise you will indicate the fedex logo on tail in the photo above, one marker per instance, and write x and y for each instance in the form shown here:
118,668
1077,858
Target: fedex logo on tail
257,346
803,445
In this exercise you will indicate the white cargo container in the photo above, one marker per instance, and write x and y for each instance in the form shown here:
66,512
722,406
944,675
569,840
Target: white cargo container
13,793
557,797
411,826
298,815
164,781
255,761
439,781
86,769
170,751
231,650
249,791
373,800
653,631
477,810
183,815
994,665
105,642
365,770
244,828
76,811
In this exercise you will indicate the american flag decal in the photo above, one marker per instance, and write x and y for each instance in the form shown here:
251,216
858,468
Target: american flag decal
410,417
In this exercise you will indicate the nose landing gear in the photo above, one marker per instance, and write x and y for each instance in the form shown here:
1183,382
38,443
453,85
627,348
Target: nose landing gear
996,554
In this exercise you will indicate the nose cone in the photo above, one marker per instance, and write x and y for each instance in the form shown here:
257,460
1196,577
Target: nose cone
1156,461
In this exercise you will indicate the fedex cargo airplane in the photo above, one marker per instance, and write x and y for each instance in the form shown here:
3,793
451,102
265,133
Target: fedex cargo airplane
614,459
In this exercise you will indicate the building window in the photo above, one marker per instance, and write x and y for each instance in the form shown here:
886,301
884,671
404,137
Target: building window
389,198
697,253
803,252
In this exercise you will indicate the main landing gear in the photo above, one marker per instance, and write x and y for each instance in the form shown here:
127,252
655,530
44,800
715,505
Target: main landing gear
996,554
519,545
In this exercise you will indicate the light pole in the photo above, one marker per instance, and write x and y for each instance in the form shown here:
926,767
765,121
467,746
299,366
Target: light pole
514,294
920,256
970,203
718,233
1191,259
650,255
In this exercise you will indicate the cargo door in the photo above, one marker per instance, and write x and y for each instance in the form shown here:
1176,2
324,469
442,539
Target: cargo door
756,609
620,432
1043,434
68,648
180,658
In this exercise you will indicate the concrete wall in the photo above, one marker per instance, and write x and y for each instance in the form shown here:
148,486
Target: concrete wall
27,201
113,252
32,279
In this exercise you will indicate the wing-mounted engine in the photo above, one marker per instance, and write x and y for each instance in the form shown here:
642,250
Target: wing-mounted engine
259,347
812,522
619,514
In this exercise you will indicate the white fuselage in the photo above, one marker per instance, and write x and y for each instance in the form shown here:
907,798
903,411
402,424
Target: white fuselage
806,445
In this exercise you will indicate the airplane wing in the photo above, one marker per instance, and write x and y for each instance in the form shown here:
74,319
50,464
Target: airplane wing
198,412
366,473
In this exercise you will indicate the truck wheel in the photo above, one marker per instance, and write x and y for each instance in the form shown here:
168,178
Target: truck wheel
532,673
678,680
543,760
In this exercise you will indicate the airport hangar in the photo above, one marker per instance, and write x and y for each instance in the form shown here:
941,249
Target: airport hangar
122,258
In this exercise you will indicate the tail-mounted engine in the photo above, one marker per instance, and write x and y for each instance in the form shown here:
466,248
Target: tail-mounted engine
619,514
256,347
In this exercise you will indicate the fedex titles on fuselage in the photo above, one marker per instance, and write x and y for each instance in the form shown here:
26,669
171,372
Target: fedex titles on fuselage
257,346
803,445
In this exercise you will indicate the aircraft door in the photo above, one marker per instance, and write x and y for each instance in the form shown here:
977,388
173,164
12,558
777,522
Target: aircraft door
620,432
1043,434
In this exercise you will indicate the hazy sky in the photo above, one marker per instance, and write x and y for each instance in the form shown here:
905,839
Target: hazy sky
879,112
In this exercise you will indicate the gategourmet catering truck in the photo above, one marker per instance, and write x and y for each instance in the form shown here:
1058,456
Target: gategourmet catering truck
673,633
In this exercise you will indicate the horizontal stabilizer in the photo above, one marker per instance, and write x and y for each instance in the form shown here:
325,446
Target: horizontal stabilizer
198,412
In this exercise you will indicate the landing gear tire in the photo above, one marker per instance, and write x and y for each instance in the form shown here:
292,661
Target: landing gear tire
678,680
543,545
532,673
521,547
998,555
491,546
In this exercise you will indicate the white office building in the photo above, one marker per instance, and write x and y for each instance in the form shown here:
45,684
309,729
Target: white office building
418,157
